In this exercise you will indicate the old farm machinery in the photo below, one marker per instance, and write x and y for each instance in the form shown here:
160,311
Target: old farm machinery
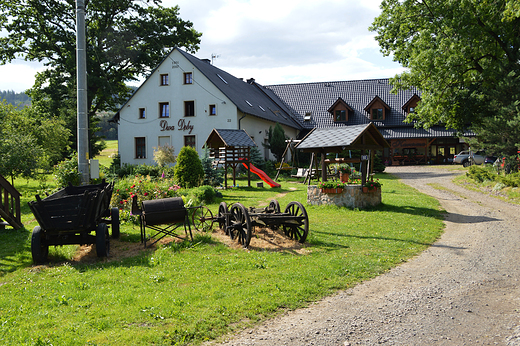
239,222
70,215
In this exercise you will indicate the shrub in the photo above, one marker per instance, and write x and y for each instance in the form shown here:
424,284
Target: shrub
212,177
188,171
164,155
481,174
512,179
67,171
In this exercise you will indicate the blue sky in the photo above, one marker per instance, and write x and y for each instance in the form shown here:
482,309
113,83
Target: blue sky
273,41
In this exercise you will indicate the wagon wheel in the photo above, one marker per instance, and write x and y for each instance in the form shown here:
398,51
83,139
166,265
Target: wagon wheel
240,224
114,221
295,229
223,217
102,240
274,205
202,219
39,248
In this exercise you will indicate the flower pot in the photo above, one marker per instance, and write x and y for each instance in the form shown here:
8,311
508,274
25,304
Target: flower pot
344,177
328,190
365,189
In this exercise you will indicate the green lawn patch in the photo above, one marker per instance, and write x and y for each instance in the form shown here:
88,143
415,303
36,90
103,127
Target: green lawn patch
188,292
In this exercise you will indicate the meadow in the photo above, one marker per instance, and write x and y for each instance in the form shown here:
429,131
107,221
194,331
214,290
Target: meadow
183,292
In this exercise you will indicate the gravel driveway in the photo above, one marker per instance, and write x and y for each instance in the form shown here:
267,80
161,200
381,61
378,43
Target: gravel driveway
463,290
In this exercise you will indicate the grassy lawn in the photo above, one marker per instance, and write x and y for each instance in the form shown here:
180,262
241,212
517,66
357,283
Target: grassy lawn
106,156
185,293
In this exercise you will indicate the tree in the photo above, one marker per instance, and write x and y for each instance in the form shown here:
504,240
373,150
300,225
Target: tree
163,155
276,141
27,142
455,52
125,40
188,171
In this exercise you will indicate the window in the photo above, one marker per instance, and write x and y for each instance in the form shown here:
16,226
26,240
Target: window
142,113
164,110
188,78
163,140
212,110
189,108
411,110
164,79
140,148
189,141
341,115
377,113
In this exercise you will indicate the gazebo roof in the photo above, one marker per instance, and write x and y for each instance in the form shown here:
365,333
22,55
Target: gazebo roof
229,138
334,139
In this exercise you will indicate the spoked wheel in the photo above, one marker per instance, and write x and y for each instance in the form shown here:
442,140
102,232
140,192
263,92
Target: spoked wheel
240,224
102,240
114,221
296,229
202,219
274,205
39,246
223,217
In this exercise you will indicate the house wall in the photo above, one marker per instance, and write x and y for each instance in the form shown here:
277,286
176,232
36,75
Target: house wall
176,126
258,130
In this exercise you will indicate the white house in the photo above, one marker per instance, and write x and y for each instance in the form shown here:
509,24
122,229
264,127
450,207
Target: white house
185,98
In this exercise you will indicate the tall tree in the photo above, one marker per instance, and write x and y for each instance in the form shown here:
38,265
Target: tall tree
457,52
276,141
125,40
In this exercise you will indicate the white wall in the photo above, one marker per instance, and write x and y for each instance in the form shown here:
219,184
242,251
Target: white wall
151,93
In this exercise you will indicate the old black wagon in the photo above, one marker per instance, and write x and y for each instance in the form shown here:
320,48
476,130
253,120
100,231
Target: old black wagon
70,215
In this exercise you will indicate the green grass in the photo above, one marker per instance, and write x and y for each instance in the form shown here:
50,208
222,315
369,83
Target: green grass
106,156
186,293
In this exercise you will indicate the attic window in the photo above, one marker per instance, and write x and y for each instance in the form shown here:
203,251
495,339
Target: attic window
308,116
263,110
377,114
219,76
249,103
340,115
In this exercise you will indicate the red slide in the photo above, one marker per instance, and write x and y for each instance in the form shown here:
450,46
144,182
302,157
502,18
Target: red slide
263,176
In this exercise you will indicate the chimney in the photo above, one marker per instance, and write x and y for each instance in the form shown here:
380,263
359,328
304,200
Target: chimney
250,81
207,61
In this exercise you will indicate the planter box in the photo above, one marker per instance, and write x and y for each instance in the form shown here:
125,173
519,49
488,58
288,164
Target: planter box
366,190
330,190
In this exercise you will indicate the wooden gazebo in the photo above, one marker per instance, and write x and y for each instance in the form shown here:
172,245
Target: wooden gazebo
231,148
366,138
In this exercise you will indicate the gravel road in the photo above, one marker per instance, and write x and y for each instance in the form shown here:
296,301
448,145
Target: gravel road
463,290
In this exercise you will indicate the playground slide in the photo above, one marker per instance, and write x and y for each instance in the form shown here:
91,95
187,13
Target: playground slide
263,176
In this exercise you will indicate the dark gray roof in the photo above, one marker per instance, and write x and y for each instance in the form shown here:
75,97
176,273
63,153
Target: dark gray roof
229,138
411,132
318,97
345,136
247,97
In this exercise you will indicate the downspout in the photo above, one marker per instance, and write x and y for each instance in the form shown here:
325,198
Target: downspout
240,120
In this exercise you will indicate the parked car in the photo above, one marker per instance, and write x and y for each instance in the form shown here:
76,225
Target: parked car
465,157
489,160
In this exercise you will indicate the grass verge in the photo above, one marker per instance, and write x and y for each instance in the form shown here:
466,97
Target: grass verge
185,293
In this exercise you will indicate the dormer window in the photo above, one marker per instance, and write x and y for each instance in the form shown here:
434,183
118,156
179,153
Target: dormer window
341,115
377,114
377,109
340,111
409,107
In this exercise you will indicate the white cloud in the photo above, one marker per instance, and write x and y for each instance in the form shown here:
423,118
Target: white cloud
289,41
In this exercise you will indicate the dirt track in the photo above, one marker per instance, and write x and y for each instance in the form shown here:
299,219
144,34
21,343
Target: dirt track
461,291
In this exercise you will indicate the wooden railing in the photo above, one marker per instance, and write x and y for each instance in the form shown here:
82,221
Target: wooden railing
10,204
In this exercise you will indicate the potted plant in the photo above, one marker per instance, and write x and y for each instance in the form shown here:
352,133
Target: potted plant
331,186
344,172
371,185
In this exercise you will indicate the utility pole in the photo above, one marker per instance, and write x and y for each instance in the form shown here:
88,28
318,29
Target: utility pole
81,75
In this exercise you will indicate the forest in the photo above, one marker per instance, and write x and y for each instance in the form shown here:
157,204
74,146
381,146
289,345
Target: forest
14,98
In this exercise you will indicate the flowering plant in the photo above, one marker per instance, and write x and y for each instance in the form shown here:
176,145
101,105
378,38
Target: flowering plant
371,184
344,168
331,185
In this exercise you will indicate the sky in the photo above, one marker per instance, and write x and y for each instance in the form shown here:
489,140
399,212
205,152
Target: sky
273,41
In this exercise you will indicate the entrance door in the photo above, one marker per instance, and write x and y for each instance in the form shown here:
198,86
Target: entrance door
445,154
